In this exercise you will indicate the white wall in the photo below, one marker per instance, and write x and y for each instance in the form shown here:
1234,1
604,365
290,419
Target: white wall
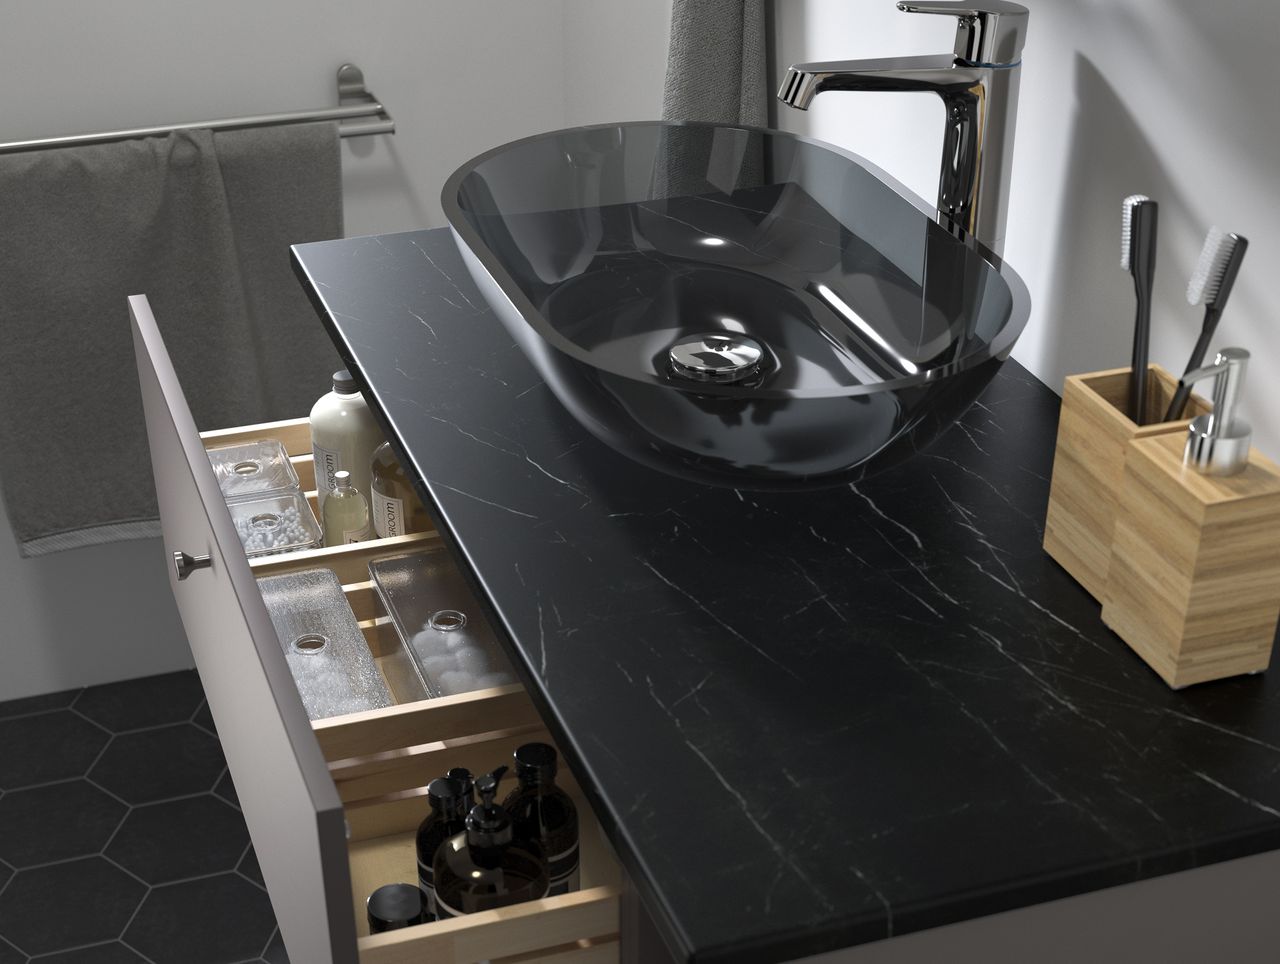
615,59
459,76
1171,98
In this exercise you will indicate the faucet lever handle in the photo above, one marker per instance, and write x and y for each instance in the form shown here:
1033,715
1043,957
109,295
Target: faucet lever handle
989,33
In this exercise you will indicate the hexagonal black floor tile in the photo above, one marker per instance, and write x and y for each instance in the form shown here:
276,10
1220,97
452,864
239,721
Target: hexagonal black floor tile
50,746
150,701
173,761
37,704
10,954
204,719
249,867
227,790
275,953
234,922
171,841
113,953
68,905
56,822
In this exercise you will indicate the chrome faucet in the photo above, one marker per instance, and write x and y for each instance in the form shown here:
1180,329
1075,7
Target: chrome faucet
978,85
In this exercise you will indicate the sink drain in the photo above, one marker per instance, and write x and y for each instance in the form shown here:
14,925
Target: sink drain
718,356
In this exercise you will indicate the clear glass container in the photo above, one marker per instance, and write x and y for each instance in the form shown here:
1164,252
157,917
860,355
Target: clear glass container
323,645
251,470
440,623
278,523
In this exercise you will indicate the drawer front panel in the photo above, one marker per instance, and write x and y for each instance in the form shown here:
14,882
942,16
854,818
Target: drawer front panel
288,798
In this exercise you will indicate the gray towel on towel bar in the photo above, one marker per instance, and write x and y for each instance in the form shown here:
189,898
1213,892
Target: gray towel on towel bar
201,223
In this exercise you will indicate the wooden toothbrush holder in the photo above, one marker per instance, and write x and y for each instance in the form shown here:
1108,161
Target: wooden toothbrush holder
1194,579
1094,432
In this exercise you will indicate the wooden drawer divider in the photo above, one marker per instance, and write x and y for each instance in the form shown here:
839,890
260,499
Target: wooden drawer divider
372,778
495,934
437,720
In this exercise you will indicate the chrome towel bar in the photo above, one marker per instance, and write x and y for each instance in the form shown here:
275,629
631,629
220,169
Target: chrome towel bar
353,98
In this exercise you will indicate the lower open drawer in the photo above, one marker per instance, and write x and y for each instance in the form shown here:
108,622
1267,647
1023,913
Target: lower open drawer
384,802
381,761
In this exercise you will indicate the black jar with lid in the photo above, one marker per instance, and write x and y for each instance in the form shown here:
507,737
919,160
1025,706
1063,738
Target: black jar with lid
393,906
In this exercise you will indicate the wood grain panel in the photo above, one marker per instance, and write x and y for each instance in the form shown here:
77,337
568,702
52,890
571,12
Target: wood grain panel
1088,465
350,562
1194,582
293,433
430,721
521,928
579,952
374,777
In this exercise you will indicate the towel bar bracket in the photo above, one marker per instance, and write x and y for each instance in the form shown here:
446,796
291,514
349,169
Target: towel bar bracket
351,84
352,92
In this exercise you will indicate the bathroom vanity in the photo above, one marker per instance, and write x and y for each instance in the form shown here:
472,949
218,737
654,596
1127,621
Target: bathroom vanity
802,722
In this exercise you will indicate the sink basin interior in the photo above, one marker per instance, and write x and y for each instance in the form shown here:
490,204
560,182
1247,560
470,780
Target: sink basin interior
602,248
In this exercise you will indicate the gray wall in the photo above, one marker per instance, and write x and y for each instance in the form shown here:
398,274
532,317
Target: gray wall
1166,97
459,76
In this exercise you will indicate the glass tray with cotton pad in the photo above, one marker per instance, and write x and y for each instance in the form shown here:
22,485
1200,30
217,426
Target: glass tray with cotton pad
324,647
440,623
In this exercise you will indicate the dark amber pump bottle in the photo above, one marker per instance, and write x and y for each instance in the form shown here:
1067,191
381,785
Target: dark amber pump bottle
468,782
543,812
487,866
449,801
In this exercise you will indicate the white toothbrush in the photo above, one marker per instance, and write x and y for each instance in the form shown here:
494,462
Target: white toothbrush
1138,257
1211,283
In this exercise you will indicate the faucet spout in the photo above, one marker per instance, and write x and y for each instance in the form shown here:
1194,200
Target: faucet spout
940,74
978,85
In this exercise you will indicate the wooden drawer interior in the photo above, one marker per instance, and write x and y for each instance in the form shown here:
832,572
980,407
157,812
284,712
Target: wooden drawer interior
350,562
384,797
381,761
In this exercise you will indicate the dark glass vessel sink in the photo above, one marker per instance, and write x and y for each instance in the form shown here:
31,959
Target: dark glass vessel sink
733,305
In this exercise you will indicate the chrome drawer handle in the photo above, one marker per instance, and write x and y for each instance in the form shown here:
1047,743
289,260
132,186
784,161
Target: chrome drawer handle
184,565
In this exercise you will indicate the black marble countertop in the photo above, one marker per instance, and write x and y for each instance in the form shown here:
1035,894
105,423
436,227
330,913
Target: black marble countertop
805,720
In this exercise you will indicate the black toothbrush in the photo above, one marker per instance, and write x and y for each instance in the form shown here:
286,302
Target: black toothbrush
1211,283
1138,257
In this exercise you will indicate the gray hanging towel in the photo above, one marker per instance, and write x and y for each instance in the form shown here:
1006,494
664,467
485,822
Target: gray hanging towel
716,63
199,222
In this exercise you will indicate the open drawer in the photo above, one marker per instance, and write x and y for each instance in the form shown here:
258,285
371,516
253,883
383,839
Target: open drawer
332,807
